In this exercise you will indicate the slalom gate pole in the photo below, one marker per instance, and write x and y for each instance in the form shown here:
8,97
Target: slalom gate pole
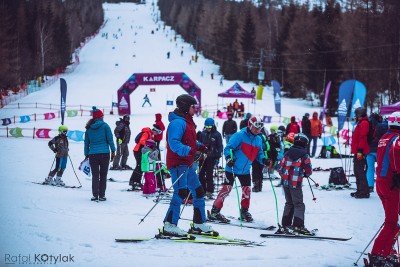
80,185
380,228
237,192
161,198
312,192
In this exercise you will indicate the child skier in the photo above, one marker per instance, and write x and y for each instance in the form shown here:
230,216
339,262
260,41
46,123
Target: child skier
294,166
59,145
148,165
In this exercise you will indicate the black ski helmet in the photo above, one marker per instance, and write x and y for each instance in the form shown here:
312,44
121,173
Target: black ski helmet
301,140
360,112
183,102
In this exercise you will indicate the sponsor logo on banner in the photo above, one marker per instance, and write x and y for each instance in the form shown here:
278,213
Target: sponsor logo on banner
342,110
158,78
123,103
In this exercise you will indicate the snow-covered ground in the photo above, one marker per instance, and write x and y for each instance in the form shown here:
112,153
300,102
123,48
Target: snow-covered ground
55,221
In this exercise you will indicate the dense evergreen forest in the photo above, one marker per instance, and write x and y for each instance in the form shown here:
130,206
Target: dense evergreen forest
302,46
38,37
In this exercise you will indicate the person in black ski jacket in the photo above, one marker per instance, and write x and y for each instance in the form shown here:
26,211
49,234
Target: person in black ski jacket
59,145
245,122
122,133
229,127
211,138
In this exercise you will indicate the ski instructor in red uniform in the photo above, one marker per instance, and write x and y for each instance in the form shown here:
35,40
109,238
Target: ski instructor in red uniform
387,187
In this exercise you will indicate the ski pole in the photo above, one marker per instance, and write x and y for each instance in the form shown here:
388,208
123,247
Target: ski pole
276,204
74,171
237,191
52,165
312,192
315,183
161,198
355,264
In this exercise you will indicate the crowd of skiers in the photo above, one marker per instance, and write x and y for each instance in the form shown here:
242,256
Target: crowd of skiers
250,152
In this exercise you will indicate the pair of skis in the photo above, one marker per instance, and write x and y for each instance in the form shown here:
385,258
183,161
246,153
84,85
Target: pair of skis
64,186
207,238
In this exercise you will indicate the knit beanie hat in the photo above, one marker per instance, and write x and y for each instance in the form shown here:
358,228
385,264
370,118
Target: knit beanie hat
97,113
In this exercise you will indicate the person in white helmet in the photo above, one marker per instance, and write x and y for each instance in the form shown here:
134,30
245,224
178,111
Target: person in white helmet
387,187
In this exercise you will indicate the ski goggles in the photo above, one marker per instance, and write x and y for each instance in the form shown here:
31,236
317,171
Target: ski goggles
257,124
64,132
157,130
208,127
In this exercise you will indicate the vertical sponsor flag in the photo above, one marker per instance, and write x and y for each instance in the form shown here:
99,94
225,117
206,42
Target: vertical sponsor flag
345,93
63,89
277,96
328,87
358,97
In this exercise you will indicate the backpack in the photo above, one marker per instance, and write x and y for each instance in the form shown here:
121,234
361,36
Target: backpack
138,136
337,176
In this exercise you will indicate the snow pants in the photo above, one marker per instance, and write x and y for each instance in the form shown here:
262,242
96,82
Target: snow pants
390,200
184,178
136,176
99,166
207,174
293,213
245,182
371,159
122,154
360,169
149,186
61,164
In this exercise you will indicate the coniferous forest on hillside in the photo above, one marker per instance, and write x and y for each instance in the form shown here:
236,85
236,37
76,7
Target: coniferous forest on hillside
301,46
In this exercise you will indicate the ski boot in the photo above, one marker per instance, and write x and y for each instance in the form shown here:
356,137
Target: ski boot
170,229
299,230
48,180
202,228
58,182
115,168
215,215
126,167
246,215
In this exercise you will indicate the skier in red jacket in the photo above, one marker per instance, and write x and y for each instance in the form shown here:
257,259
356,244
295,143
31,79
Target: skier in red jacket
360,149
387,187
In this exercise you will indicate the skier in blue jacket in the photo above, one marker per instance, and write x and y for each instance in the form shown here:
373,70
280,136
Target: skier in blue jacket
242,149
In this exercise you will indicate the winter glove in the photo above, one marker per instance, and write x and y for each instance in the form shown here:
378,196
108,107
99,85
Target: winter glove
396,181
319,136
112,156
119,141
360,156
230,162
266,162
197,155
55,151
202,148
216,162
